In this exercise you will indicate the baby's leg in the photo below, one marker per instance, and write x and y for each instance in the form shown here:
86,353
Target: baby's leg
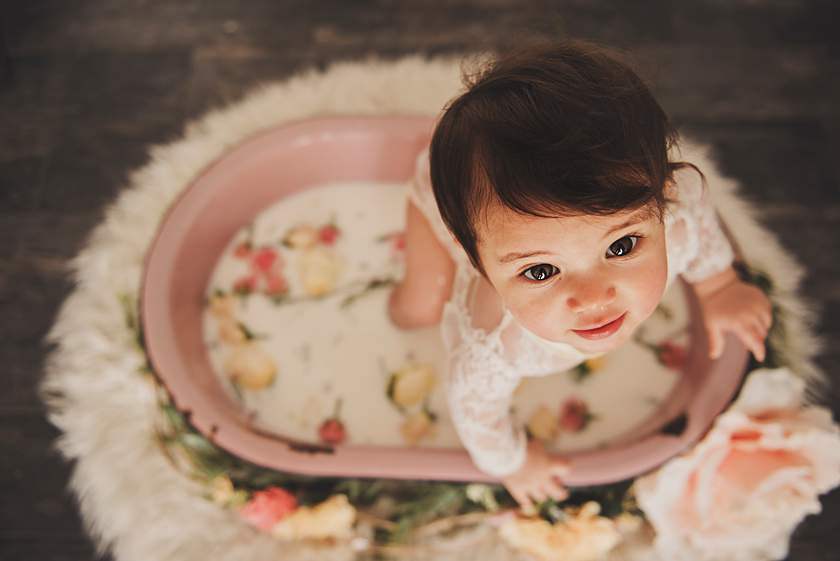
417,301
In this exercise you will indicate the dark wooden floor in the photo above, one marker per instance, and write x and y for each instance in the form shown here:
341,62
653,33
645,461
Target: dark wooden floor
87,86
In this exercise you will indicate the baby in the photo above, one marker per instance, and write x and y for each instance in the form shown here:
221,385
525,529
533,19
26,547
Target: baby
544,224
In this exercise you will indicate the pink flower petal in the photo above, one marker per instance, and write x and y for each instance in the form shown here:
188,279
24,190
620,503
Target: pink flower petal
264,259
276,284
245,285
328,234
267,507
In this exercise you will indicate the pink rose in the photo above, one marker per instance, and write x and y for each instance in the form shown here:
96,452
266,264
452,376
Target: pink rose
574,415
264,259
332,431
267,507
276,284
398,245
243,250
745,487
328,233
671,355
245,285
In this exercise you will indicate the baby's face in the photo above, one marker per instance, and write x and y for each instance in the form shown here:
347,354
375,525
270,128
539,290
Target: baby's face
584,280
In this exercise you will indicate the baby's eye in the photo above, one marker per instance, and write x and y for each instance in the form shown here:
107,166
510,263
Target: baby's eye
540,272
622,246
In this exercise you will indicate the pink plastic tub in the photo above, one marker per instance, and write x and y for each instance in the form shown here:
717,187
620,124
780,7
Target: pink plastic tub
231,191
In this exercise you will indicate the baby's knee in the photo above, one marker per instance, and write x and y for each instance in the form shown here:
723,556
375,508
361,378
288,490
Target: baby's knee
409,310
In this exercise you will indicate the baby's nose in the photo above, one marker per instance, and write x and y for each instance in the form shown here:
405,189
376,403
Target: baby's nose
591,296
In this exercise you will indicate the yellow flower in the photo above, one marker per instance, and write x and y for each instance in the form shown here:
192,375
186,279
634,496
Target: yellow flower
319,269
222,306
416,427
543,424
411,384
595,363
301,237
240,498
332,518
221,489
250,366
582,536
627,523
230,332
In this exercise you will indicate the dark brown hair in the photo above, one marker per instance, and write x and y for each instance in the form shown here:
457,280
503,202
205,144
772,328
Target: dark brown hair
550,130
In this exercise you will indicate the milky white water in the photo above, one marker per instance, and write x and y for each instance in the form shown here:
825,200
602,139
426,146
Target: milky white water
324,352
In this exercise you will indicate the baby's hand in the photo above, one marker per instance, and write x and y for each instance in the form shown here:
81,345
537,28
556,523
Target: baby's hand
740,308
535,481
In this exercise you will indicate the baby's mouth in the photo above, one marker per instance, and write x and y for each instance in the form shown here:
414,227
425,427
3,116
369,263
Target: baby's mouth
602,331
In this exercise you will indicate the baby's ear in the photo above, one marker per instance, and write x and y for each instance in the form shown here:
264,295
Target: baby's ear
670,190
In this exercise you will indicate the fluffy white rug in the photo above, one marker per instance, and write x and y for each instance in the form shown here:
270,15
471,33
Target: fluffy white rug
133,502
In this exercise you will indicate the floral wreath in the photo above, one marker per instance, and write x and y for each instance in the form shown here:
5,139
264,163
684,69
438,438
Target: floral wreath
743,487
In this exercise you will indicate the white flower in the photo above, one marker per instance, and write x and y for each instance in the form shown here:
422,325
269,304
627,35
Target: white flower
332,518
483,495
744,488
582,536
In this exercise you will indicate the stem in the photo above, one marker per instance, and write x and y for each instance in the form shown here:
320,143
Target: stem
444,524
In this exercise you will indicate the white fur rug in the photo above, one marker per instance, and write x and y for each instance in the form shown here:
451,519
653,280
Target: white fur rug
132,500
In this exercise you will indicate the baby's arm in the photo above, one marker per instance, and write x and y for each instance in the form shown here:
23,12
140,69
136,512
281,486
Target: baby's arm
728,303
480,387
732,305
418,299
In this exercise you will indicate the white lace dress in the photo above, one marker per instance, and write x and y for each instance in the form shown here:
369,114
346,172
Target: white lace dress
489,352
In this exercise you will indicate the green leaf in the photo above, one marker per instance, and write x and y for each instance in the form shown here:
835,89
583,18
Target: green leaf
665,311
438,501
350,487
199,444
249,335
392,383
581,372
278,299
175,418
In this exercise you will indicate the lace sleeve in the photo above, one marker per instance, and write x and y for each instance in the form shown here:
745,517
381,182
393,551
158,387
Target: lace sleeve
480,387
709,251
481,377
488,356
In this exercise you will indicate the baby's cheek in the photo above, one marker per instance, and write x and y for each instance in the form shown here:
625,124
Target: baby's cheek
650,287
537,315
